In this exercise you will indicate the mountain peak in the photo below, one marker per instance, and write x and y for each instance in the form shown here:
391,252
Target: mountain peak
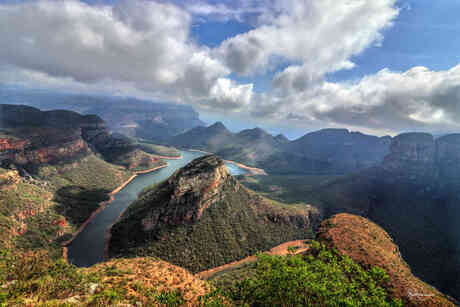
254,133
218,126
281,138
202,217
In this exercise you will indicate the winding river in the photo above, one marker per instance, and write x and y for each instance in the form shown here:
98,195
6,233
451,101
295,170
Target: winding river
88,247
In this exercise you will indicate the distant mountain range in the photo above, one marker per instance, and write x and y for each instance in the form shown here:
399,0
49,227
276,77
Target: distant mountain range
128,116
325,151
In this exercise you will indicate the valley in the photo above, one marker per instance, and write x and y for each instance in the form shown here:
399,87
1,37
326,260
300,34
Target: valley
71,187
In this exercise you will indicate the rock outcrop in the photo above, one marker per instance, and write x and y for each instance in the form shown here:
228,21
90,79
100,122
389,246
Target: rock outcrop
414,195
30,136
371,246
202,217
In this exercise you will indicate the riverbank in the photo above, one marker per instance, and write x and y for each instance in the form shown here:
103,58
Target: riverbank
253,171
169,157
104,204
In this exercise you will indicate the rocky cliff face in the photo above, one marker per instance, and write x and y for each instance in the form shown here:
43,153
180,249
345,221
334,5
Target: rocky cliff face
370,246
414,195
31,137
331,151
129,116
202,217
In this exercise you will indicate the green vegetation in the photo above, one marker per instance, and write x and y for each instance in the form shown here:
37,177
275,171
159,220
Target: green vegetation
322,277
288,188
27,208
158,149
238,225
90,172
34,279
31,208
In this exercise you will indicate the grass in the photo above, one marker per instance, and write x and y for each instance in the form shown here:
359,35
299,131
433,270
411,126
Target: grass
33,279
38,213
287,188
158,149
322,277
91,172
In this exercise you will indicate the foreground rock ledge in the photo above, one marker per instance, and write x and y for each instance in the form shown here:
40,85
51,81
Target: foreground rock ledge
370,245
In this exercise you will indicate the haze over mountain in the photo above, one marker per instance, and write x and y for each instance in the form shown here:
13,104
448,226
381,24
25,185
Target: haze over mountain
129,116
413,195
335,151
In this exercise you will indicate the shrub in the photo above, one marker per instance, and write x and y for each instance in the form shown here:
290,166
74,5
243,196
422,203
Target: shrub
320,278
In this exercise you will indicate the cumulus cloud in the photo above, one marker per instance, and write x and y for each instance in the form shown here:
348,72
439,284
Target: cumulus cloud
144,48
321,36
385,102
145,44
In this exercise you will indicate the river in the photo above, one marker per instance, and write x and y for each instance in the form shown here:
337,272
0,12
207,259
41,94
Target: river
88,247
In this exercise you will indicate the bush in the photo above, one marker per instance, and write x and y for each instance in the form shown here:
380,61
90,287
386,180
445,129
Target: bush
319,278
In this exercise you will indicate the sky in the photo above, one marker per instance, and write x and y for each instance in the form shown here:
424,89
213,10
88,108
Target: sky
291,66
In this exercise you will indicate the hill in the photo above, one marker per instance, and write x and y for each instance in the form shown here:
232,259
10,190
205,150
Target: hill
413,195
33,279
56,167
350,253
328,151
202,217
371,246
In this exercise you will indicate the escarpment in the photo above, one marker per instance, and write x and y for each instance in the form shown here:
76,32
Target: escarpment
414,195
371,246
202,217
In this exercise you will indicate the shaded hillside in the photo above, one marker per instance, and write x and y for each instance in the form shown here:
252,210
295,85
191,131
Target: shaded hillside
414,196
328,151
129,116
202,217
354,263
30,137
370,246
55,171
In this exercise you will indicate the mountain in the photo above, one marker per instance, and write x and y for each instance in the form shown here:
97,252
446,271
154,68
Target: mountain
129,116
338,151
371,246
413,194
282,138
56,167
202,217
31,137
249,146
327,151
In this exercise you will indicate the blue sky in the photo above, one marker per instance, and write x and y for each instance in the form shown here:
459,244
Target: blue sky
291,66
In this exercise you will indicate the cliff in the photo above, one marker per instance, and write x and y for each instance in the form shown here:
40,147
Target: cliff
30,138
202,217
413,195
133,117
371,246
327,151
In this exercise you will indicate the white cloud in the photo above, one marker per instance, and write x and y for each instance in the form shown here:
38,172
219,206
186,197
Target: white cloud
144,49
386,102
321,36
134,44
